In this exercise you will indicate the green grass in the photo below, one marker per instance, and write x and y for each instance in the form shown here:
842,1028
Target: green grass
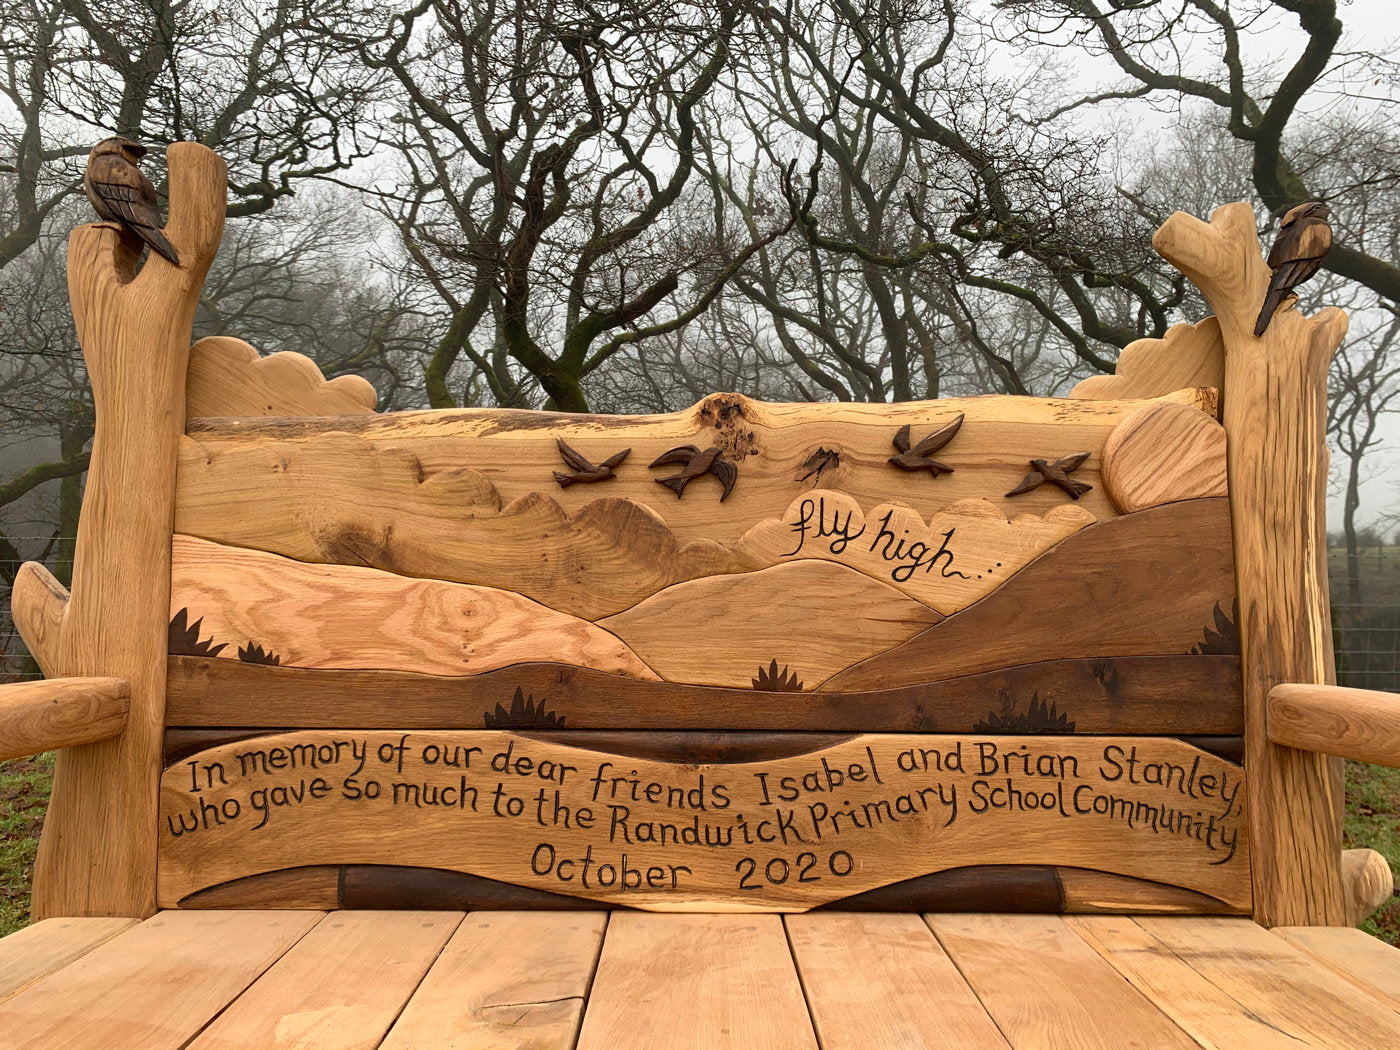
24,792
1373,819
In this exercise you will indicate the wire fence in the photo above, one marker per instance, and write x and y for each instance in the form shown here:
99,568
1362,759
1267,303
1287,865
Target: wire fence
1366,636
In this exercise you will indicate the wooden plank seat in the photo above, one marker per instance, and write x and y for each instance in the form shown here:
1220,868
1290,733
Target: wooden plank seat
990,722
250,980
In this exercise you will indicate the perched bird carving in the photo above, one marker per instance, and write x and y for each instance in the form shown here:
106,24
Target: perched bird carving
696,465
120,193
1303,240
1057,473
583,470
920,456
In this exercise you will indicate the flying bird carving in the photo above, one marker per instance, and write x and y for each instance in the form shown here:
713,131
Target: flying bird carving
120,193
1057,473
696,465
582,470
920,456
1303,240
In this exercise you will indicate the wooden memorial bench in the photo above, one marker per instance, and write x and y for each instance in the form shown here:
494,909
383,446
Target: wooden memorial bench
987,722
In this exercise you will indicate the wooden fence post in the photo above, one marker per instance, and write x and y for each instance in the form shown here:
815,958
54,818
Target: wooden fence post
97,855
1275,411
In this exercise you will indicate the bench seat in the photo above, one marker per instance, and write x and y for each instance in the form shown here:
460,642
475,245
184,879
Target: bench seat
248,980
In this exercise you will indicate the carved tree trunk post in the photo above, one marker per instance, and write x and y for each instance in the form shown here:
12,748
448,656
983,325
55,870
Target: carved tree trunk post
1275,415
98,851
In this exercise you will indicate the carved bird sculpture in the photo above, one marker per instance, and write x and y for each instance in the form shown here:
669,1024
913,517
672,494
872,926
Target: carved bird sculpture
583,470
120,193
696,465
920,456
1057,473
1303,239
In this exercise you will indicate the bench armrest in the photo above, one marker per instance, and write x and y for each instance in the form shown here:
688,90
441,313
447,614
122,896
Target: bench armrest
60,712
1363,724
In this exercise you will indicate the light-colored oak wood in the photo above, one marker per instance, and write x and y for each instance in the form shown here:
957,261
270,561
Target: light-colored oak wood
345,616
1163,454
710,982
38,603
1264,974
813,617
1138,584
399,506
96,855
1363,724
38,950
1368,882
1189,355
153,986
882,980
1048,990
1275,415
1365,961
60,712
227,377
338,988
505,980
1231,984
780,834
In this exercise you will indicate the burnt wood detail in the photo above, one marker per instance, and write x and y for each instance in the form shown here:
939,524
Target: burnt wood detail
1172,695
253,653
818,463
1224,638
525,713
777,680
1057,473
920,456
696,464
582,470
185,640
1038,717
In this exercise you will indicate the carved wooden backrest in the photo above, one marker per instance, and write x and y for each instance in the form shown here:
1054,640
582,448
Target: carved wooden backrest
976,653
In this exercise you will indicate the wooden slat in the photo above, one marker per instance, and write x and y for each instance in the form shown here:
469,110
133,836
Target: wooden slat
1362,724
506,979
1048,990
153,986
44,716
1188,355
39,950
1362,959
1163,454
1273,981
883,981
696,982
227,377
339,988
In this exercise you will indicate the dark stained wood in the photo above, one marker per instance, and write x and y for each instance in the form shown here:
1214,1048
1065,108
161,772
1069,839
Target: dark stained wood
709,747
1227,747
1021,888
434,889
1057,473
1090,892
181,743
582,470
1303,241
1174,695
920,456
313,886
696,464
1146,582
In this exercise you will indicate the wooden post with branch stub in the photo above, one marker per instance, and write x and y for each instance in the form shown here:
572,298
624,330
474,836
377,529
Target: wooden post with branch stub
1275,413
97,855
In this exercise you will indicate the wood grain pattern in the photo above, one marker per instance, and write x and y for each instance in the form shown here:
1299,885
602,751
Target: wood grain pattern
1365,961
38,604
136,991
61,712
1163,454
1361,724
1189,355
507,979
816,827
338,988
39,950
135,336
391,502
882,980
397,886
1251,969
227,377
712,972
1173,695
315,887
1048,990
343,616
1089,892
723,630
1275,416
1142,583
1367,881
